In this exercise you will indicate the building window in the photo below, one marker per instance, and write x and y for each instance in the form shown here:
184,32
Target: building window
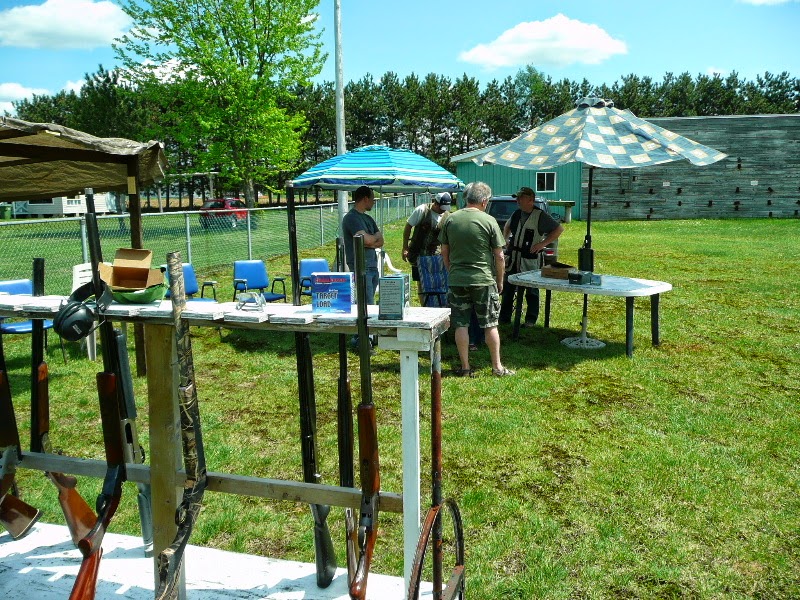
545,182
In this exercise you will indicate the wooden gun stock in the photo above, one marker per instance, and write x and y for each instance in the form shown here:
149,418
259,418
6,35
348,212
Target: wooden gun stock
86,582
79,517
370,485
16,516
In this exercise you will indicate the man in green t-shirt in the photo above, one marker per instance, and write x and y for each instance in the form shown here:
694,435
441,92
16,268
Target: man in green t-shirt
472,249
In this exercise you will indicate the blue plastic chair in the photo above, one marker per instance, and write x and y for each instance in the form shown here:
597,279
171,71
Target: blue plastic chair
252,275
192,287
433,281
22,286
307,267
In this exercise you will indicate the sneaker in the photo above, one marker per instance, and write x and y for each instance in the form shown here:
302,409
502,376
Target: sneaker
503,372
529,324
473,347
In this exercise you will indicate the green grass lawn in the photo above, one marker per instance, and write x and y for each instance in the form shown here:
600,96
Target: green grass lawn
672,474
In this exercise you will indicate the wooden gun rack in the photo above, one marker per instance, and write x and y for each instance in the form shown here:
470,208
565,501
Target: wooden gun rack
417,332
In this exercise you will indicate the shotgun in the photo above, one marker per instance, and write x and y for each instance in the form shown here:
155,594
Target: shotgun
194,460
16,515
78,515
431,533
109,393
324,553
344,411
134,453
367,438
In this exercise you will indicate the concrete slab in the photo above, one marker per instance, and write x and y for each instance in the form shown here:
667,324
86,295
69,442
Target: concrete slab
43,566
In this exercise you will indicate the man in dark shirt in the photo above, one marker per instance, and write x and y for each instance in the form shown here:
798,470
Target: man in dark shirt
355,222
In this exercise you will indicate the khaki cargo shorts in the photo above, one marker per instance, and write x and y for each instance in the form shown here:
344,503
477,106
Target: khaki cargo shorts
483,298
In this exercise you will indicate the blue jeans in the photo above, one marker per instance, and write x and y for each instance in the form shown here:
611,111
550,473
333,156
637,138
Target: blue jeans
373,279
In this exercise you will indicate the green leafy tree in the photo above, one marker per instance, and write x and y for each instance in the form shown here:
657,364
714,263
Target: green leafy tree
467,115
109,107
500,112
59,108
675,96
219,69
392,91
411,106
364,111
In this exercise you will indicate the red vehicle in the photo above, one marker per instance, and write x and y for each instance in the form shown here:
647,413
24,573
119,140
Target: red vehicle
223,212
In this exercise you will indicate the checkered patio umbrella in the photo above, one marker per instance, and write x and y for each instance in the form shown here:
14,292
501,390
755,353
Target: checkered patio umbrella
596,133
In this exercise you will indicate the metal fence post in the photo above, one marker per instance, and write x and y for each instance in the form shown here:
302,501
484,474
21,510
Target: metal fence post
84,240
188,238
249,237
321,227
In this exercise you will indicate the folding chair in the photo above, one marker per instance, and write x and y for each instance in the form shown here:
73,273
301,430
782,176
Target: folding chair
81,274
192,287
432,280
23,287
307,267
385,263
252,275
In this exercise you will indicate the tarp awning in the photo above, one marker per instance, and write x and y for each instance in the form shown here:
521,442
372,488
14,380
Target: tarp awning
44,160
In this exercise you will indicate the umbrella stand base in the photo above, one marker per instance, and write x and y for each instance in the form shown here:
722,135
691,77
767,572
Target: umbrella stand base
583,343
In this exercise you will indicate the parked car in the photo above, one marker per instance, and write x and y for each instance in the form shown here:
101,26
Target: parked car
223,212
502,207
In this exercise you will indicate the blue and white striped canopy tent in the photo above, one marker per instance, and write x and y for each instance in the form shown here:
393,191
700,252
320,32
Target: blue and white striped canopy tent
382,168
599,135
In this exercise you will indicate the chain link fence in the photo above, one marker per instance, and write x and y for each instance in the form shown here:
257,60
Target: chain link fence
208,244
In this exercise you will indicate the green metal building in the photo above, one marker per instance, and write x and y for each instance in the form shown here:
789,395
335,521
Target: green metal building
559,183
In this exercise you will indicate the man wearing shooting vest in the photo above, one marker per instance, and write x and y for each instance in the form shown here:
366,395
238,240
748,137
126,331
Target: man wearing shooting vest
426,221
527,234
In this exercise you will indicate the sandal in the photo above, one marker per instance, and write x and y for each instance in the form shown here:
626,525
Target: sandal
503,372
464,373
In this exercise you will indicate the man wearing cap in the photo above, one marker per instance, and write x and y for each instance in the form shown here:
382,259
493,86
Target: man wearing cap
527,233
426,220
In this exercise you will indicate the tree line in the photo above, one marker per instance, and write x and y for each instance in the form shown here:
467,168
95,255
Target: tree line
240,99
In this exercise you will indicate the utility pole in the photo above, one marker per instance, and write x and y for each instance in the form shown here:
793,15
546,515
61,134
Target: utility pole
341,148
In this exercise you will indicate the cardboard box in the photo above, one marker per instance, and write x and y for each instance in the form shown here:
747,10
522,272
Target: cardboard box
131,271
395,297
332,292
557,270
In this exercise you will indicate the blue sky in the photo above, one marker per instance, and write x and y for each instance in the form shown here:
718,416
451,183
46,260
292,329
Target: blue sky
48,45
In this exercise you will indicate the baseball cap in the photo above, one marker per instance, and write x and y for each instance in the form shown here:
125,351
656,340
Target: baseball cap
523,191
443,199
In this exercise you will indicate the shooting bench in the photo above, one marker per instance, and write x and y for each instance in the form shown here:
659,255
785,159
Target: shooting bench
419,331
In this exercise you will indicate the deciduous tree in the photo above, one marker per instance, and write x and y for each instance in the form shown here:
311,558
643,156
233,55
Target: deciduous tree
227,64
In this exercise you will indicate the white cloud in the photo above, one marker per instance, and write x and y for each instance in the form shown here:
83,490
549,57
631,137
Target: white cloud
61,24
74,86
711,71
14,92
555,42
766,2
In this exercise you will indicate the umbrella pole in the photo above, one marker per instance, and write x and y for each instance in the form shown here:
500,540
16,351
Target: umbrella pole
586,254
583,341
